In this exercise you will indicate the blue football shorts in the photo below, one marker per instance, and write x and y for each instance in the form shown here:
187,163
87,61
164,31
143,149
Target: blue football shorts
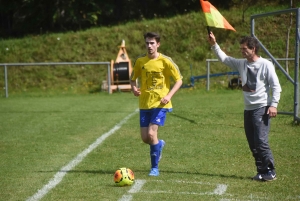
154,116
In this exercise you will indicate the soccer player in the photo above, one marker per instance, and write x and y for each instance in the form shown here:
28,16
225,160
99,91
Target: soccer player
261,90
153,71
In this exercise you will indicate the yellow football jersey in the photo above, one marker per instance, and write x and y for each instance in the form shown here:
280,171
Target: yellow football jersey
154,79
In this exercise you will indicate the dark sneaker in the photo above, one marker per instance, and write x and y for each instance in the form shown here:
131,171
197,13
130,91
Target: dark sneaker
270,176
258,177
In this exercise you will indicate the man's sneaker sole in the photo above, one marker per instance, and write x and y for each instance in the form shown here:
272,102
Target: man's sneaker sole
270,176
273,179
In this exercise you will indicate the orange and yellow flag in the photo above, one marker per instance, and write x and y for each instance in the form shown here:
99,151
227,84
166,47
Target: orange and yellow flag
213,16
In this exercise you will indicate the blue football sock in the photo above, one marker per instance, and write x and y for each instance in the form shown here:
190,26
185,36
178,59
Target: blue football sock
154,154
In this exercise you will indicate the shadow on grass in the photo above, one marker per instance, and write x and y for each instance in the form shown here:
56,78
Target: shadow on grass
111,172
201,123
184,118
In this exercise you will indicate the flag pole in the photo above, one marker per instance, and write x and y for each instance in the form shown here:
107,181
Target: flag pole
208,31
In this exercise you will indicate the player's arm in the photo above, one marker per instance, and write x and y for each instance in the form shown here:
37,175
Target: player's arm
133,80
174,89
135,90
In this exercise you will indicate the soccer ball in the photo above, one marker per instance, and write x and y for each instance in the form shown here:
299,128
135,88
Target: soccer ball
124,177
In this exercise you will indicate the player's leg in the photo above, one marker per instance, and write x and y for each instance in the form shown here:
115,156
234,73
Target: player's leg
145,117
156,145
160,119
149,136
144,135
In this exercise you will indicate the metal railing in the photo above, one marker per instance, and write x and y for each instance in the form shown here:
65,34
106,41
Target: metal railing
208,75
294,81
5,65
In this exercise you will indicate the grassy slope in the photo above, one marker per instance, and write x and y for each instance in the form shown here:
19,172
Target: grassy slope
183,38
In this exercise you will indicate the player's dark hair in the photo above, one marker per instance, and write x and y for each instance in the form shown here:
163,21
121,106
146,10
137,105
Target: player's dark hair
154,35
251,43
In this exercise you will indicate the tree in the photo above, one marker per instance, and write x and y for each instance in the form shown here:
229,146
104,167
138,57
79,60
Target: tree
245,4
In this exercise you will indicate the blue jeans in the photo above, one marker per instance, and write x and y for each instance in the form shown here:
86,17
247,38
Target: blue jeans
257,127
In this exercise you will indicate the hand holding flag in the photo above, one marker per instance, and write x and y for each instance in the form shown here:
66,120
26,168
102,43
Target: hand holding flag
213,17
211,39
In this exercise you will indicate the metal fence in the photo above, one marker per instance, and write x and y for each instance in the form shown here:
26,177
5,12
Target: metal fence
209,61
6,65
208,75
294,81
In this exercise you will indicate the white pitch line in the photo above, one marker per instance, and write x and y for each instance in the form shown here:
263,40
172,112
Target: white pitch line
187,182
221,189
64,170
138,184
178,193
126,198
136,187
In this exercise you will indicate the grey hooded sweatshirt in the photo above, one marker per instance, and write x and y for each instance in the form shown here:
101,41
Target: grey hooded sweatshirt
260,83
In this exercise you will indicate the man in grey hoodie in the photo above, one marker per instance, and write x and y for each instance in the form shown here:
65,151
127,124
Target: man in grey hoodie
261,90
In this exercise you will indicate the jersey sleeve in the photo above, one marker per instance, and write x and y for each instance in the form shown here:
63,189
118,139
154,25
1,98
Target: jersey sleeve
136,71
173,70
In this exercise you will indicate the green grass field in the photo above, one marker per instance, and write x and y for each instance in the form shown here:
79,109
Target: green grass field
56,141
